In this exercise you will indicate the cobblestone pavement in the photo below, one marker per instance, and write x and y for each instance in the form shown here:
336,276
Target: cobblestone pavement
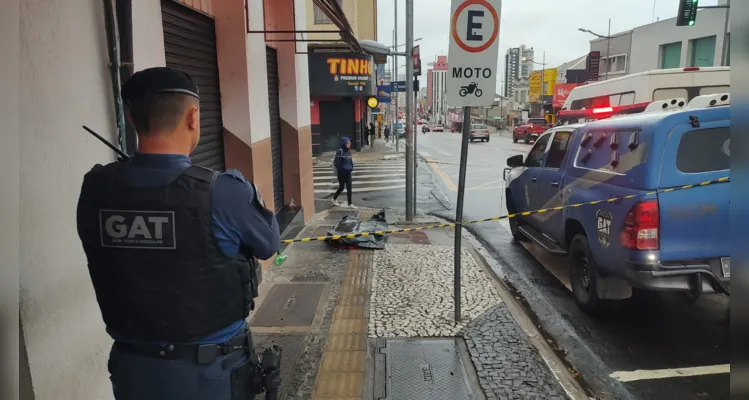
508,366
412,291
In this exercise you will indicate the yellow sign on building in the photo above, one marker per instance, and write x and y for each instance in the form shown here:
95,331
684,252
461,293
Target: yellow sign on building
549,81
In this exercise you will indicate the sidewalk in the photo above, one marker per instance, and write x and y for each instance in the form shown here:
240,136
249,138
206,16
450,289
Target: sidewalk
370,324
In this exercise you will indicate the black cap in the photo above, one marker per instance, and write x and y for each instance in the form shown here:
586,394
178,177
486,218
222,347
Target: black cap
158,80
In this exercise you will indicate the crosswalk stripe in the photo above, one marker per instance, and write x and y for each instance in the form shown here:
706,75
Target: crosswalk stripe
364,189
362,183
330,176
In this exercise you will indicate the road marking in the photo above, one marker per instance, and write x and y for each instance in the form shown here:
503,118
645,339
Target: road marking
445,178
425,154
639,375
364,189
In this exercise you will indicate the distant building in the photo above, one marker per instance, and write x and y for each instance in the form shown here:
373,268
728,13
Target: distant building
515,67
436,86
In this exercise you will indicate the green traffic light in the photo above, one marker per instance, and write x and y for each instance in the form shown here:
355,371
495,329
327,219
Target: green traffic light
691,23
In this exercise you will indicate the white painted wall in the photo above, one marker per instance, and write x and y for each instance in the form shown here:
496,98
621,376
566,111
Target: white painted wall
302,70
9,202
148,38
257,71
647,39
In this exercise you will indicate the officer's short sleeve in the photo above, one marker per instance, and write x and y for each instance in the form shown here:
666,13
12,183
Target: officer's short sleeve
239,208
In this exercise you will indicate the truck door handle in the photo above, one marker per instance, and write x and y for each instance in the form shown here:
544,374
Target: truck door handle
534,180
554,184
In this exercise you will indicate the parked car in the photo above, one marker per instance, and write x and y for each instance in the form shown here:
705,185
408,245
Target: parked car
438,128
529,131
479,132
649,238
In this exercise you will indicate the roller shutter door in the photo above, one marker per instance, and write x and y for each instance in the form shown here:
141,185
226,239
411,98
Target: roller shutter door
271,58
190,45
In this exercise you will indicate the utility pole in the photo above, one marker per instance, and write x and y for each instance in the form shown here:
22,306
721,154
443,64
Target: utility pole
608,51
409,110
724,57
543,72
415,135
394,78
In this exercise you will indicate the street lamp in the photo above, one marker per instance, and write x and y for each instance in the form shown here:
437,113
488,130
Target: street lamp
608,45
543,72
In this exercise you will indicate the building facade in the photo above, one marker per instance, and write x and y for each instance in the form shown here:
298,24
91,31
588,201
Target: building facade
662,45
665,45
254,117
436,87
615,55
340,80
516,67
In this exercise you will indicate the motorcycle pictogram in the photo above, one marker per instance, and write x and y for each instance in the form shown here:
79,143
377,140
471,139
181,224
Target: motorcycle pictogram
472,88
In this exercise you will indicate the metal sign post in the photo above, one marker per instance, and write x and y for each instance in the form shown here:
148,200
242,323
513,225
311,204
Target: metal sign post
474,28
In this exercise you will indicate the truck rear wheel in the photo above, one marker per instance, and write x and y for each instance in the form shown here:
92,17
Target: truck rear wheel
584,277
527,138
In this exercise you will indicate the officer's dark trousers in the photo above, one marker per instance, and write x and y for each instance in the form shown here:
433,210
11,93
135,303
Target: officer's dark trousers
136,377
344,179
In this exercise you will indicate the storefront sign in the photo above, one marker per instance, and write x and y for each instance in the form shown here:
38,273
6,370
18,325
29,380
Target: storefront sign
340,74
383,93
534,82
561,92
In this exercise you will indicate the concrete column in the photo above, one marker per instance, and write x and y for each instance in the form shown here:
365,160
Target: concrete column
244,91
293,77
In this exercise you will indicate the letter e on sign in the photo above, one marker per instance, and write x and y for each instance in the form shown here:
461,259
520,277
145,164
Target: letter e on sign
474,34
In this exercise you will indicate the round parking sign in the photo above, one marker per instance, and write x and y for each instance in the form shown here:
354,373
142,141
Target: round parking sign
464,27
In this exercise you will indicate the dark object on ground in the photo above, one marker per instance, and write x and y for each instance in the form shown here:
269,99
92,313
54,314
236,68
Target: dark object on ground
352,224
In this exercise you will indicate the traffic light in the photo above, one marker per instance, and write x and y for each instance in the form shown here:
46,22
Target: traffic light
687,12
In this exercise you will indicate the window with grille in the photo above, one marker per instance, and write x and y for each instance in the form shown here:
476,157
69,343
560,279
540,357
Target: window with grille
321,18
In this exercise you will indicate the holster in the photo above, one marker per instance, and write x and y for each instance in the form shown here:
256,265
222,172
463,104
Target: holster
247,379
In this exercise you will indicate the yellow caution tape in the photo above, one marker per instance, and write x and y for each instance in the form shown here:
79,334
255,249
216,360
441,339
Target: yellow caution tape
508,216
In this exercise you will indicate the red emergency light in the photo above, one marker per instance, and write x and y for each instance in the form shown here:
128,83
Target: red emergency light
602,110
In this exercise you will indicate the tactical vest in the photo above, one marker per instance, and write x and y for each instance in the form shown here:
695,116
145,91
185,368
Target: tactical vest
156,268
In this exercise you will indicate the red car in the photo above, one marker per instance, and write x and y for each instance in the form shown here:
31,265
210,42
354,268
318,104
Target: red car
530,130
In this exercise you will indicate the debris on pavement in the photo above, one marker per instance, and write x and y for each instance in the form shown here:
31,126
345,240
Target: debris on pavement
353,224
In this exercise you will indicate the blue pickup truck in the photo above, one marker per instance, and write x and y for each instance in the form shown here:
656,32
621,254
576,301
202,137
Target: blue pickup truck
648,236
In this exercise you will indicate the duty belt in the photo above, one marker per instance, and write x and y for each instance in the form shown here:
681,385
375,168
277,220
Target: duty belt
198,353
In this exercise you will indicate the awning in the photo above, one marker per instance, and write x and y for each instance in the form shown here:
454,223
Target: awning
335,13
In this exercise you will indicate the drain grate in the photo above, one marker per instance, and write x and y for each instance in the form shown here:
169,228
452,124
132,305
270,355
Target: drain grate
425,369
292,348
289,305
311,277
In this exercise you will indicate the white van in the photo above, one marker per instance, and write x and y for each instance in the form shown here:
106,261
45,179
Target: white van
632,93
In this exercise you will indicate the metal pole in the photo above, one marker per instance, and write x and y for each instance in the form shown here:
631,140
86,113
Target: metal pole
409,111
416,135
543,72
394,78
724,58
608,51
459,209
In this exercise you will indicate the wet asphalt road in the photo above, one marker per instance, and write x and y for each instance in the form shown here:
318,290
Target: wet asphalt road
658,333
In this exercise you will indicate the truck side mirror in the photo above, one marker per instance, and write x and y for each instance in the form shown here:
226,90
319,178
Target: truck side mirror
515,161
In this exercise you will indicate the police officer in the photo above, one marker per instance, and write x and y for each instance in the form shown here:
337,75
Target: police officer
170,250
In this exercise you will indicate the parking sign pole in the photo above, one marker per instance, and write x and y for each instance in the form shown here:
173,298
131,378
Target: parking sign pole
409,109
473,54
465,132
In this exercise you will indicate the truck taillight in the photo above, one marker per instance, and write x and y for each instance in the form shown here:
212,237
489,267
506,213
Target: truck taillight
640,230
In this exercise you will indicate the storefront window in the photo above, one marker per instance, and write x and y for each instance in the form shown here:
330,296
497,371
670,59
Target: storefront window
321,18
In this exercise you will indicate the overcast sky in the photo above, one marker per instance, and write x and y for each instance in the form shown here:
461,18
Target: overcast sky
545,25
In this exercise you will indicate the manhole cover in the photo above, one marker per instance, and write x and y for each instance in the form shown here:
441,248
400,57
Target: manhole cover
289,305
292,347
311,277
425,369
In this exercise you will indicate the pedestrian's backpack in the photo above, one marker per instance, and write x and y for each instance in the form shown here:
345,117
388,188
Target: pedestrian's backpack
338,153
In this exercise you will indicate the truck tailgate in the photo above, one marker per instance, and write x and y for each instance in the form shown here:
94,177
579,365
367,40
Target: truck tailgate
694,223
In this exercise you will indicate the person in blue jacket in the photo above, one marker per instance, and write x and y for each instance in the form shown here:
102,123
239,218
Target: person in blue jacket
344,165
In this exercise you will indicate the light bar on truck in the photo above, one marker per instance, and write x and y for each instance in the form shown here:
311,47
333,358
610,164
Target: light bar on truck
598,112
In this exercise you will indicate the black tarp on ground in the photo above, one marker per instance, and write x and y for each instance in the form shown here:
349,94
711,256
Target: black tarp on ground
351,224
